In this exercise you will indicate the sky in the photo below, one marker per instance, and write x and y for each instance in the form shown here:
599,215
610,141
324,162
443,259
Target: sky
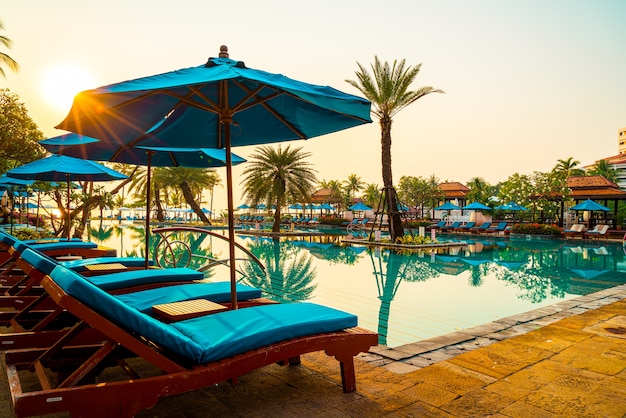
526,82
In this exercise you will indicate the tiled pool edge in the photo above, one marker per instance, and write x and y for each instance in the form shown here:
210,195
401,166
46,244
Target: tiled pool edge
414,356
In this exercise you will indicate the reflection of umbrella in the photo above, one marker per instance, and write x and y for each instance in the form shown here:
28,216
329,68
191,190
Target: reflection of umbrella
359,206
198,106
447,206
68,169
84,146
476,206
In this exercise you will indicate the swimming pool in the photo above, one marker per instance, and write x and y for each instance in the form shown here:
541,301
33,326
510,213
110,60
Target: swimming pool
410,297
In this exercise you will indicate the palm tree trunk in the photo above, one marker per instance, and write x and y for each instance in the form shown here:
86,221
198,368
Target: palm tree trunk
395,222
276,225
157,202
184,186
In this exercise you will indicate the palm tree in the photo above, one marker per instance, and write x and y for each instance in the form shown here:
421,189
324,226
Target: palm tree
371,195
605,169
213,180
388,90
6,60
276,176
353,185
568,168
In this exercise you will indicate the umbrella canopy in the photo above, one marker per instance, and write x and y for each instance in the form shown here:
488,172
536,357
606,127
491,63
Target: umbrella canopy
64,168
447,206
243,206
359,206
198,106
68,169
476,206
590,205
86,147
296,206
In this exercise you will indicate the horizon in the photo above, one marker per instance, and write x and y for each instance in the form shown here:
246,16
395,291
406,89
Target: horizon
526,84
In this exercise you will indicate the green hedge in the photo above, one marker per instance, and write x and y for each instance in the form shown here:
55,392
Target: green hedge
536,229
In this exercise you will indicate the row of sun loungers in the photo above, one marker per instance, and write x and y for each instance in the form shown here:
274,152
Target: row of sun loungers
70,324
470,227
579,230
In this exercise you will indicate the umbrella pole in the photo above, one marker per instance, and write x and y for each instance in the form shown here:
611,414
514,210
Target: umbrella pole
231,216
146,263
69,202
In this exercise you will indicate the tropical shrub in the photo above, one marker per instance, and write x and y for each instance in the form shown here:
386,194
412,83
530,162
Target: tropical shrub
329,220
415,240
536,229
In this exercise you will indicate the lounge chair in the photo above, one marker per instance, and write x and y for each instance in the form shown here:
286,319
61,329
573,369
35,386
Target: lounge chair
500,228
450,227
438,225
598,231
191,354
465,228
481,228
575,230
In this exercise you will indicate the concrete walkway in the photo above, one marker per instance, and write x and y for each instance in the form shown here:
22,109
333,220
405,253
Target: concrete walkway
566,360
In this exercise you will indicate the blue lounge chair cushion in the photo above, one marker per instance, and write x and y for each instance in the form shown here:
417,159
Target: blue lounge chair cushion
212,337
140,277
69,245
218,292
234,332
81,265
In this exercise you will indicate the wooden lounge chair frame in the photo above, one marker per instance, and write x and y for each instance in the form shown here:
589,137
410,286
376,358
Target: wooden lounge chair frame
124,398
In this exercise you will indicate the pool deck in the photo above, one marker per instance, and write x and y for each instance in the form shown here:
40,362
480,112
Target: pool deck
567,359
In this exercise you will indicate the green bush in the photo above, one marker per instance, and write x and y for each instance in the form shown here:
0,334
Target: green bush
329,220
415,224
536,229
30,233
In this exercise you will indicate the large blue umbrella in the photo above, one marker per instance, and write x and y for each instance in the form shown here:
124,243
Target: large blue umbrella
63,168
198,106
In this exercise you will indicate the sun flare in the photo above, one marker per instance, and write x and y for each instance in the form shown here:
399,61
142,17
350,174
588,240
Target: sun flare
61,83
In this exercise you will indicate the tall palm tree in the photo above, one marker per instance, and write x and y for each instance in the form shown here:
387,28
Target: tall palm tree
388,90
213,180
6,60
371,195
276,176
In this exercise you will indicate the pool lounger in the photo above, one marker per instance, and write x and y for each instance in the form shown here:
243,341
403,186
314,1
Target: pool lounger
192,354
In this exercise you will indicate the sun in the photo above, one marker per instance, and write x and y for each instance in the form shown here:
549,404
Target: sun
61,83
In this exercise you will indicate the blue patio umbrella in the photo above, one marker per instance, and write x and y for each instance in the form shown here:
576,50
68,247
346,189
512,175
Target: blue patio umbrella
243,206
63,168
590,205
83,146
199,106
296,206
447,206
360,206
11,185
327,206
476,206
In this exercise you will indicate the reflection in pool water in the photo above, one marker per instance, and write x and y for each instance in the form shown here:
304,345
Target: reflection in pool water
409,297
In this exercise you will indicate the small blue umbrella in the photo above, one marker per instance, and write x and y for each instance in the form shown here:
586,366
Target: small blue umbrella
447,206
242,206
296,206
327,206
476,206
68,169
360,206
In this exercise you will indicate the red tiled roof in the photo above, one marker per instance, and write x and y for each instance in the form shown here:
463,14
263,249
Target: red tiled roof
590,182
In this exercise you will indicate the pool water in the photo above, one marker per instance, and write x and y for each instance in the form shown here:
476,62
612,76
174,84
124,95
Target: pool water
410,297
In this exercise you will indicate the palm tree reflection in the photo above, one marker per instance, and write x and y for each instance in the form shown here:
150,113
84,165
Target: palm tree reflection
289,271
